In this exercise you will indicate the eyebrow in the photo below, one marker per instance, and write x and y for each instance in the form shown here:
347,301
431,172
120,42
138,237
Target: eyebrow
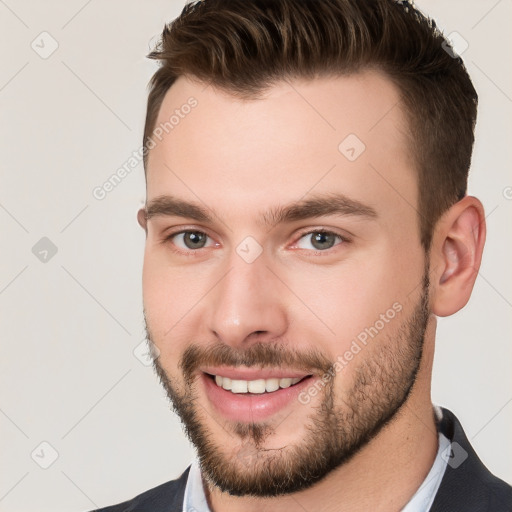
316,206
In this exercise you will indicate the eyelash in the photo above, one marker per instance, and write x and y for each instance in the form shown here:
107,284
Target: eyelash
195,252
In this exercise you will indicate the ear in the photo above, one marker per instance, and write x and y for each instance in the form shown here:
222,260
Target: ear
456,253
141,219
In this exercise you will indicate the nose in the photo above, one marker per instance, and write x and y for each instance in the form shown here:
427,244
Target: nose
247,305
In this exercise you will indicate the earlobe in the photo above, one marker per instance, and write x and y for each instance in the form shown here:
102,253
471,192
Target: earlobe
141,219
457,254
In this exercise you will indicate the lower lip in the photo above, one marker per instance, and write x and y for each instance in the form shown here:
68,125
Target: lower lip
252,407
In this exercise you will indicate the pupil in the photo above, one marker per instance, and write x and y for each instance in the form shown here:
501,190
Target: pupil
195,240
323,240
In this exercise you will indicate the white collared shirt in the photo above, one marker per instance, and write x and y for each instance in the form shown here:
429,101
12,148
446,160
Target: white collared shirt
195,498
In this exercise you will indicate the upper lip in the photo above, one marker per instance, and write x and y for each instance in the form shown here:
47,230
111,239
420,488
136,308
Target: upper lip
253,373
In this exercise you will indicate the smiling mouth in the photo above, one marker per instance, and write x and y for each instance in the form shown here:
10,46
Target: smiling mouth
257,386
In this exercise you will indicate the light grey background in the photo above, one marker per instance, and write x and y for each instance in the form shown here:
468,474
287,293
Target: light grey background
70,325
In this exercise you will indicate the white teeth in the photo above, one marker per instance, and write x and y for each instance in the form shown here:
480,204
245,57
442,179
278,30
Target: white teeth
285,383
238,386
258,386
271,385
226,382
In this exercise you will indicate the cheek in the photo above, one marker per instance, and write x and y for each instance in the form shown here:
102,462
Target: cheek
165,296
173,296
362,298
162,314
155,292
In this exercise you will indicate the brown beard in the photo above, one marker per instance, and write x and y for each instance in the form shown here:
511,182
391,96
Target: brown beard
344,422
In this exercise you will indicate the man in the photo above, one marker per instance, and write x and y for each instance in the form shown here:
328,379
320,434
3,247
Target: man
306,221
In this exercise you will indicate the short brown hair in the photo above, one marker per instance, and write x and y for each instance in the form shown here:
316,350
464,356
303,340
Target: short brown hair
246,46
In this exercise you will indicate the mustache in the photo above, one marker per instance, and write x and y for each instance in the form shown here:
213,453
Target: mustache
265,355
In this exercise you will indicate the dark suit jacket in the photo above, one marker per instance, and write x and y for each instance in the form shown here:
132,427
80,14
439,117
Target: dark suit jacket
467,486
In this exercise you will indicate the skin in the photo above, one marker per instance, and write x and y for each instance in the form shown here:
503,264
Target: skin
239,159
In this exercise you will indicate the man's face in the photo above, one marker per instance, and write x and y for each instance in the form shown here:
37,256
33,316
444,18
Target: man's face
281,250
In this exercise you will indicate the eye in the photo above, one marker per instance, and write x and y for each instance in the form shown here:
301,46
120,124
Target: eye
190,240
319,240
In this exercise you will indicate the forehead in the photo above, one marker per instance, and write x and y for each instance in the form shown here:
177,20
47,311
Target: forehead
344,134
